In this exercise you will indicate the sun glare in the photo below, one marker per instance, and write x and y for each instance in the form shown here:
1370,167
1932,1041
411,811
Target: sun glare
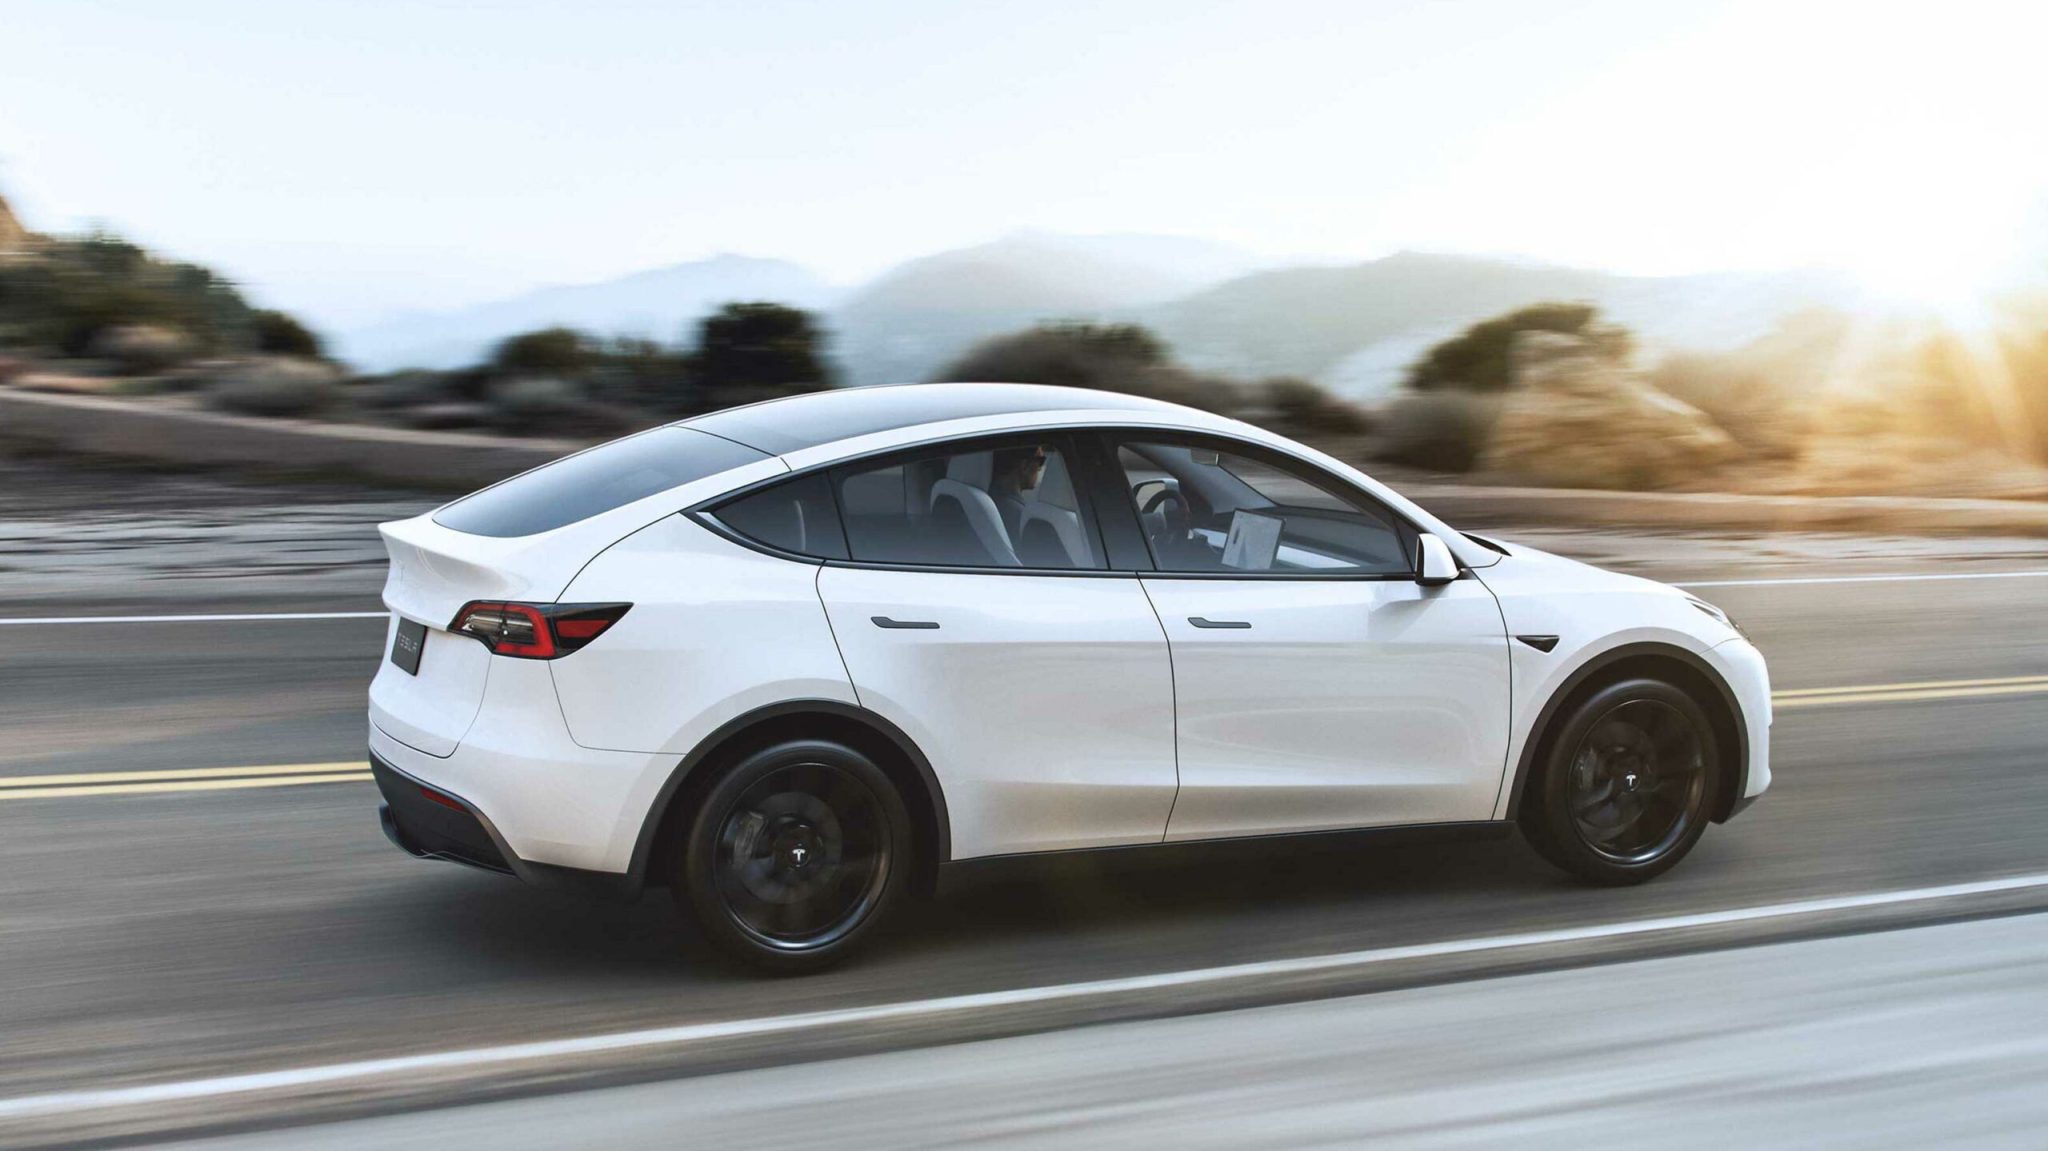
1939,242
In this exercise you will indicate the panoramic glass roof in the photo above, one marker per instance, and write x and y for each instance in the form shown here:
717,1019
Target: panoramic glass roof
781,426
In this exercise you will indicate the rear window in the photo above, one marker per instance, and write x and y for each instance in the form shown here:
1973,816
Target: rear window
605,477
796,516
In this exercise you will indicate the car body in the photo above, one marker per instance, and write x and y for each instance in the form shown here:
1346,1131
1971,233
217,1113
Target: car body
1051,619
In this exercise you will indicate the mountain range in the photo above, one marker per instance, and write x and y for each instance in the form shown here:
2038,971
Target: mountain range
1353,327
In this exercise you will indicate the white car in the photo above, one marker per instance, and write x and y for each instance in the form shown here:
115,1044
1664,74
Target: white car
798,658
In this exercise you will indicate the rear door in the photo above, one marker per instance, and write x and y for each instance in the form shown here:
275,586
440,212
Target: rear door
1318,686
977,615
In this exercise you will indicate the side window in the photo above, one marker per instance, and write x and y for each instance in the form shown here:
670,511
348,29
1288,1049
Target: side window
1005,505
795,515
1209,510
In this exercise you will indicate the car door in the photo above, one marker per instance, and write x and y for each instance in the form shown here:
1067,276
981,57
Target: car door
976,613
1317,685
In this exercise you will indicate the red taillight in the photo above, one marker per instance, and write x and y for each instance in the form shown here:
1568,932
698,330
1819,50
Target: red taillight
535,631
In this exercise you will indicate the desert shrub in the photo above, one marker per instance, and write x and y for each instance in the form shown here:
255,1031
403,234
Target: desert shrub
1480,358
548,351
279,334
758,351
1300,408
71,291
141,349
645,374
530,402
406,389
1110,357
1440,431
276,387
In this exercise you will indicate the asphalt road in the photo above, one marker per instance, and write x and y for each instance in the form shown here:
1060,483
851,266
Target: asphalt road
169,935
1931,1037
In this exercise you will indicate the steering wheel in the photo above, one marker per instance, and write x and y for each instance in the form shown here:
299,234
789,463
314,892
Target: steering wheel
1173,523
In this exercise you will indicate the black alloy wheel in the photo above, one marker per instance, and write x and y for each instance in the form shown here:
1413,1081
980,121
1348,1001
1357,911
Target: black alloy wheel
1626,784
794,854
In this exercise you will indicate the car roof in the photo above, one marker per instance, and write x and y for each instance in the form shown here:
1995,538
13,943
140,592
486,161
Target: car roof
792,424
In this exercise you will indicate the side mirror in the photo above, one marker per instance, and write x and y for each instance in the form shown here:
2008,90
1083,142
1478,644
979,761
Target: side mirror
1434,563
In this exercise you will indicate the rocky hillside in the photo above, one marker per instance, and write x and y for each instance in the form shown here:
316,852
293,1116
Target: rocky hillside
13,236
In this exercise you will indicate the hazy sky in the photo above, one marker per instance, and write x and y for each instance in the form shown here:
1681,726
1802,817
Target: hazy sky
351,159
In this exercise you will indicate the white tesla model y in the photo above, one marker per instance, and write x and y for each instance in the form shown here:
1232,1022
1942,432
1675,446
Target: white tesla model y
796,659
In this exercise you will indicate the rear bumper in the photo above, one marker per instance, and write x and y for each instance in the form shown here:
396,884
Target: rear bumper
426,828
431,829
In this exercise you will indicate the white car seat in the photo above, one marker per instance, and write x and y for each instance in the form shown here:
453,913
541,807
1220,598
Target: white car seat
1051,534
962,496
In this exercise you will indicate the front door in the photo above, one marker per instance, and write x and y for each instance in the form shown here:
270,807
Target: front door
1317,685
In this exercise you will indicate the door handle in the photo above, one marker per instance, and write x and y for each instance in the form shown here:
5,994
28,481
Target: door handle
1199,621
911,624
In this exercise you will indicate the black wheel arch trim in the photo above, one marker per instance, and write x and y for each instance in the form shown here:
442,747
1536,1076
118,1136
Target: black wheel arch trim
644,845
1727,805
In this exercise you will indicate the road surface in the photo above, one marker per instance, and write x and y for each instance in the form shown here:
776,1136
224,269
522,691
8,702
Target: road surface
155,932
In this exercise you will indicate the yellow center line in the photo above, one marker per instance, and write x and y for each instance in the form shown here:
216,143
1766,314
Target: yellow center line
1908,696
192,773
1924,685
185,785
356,771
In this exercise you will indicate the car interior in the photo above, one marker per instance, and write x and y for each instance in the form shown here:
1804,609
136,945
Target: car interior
1204,510
1013,506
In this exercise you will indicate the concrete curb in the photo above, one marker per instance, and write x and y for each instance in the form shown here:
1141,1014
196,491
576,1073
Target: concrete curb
184,437
1478,506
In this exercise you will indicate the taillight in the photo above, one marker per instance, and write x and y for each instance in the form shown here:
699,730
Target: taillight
536,631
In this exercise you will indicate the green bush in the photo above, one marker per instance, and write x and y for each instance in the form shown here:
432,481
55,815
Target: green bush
279,334
1109,357
71,291
548,351
1480,358
1300,408
757,351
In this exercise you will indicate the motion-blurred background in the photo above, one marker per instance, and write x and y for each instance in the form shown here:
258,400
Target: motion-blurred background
1669,287
1766,248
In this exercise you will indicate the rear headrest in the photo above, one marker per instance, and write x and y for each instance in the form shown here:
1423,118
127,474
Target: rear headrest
975,469
1055,486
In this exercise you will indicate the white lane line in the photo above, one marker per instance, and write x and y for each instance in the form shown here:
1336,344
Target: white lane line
1894,578
253,617
65,1102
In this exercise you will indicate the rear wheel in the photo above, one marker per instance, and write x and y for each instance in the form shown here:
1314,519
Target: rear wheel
1626,784
794,855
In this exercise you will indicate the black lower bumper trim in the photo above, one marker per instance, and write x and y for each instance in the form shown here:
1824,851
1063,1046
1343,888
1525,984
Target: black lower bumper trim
432,830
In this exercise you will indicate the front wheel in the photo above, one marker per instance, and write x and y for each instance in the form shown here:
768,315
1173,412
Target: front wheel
1626,785
794,855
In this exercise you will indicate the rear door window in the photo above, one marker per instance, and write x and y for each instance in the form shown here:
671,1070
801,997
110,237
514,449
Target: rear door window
1003,504
608,476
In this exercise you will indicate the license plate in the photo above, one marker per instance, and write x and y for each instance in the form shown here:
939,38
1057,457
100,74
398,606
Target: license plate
407,645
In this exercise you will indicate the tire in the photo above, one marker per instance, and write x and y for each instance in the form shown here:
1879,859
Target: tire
1626,784
795,854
